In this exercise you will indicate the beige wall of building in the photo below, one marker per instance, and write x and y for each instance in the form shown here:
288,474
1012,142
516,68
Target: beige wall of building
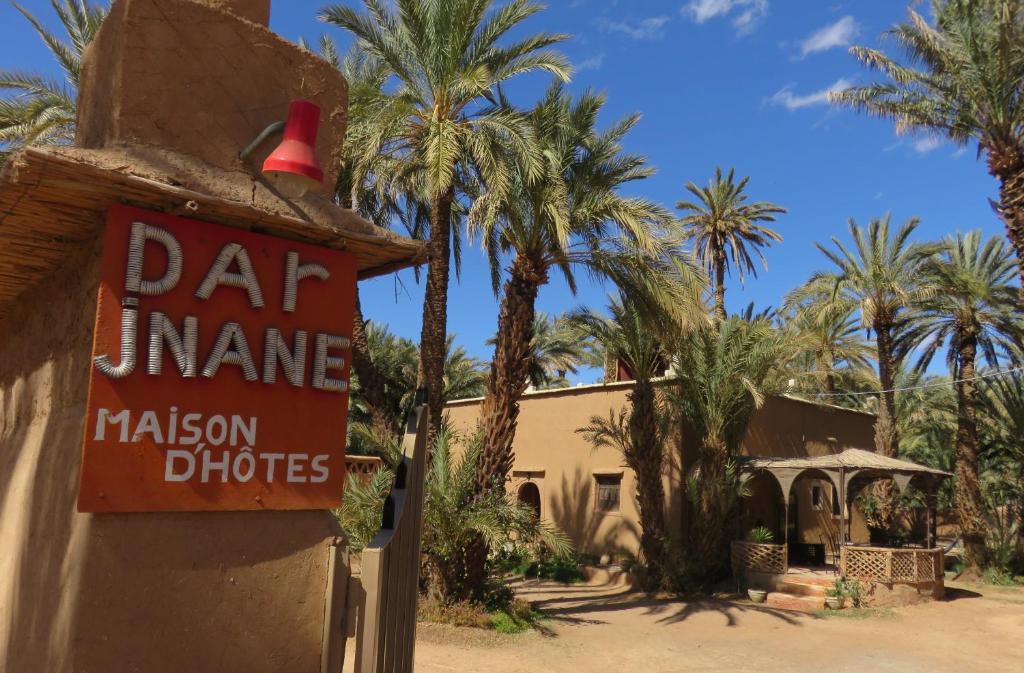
566,468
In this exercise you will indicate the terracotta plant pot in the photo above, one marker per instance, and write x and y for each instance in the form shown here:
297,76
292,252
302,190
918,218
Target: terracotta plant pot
757,595
835,602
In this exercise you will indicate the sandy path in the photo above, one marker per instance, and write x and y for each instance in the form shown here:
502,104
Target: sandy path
597,629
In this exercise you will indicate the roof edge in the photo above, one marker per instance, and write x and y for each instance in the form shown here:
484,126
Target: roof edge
661,380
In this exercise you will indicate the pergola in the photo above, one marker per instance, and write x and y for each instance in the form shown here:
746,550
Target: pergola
848,472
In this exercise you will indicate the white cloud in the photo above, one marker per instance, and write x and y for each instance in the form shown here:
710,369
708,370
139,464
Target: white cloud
791,101
645,29
750,12
592,63
838,34
927,144
702,10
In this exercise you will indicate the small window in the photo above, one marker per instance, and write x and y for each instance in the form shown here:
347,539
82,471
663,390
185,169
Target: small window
608,486
817,497
835,503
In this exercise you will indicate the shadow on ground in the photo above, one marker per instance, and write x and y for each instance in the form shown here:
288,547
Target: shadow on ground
578,604
956,593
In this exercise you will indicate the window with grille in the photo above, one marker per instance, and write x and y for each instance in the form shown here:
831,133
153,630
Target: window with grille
608,488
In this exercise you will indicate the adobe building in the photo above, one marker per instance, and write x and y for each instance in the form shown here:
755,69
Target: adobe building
590,494
802,461
171,92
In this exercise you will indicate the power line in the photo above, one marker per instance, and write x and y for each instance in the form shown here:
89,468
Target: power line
940,384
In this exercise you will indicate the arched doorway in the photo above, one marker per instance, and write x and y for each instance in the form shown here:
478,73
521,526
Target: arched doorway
763,507
529,495
814,519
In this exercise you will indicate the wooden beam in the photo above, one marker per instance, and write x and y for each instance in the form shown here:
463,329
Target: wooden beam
53,201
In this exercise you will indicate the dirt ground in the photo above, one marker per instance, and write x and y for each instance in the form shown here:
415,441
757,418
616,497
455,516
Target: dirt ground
597,629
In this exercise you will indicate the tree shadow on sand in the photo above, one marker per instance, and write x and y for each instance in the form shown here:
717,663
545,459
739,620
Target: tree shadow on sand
587,605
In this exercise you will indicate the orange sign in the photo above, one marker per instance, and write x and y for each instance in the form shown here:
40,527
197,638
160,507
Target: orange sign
220,370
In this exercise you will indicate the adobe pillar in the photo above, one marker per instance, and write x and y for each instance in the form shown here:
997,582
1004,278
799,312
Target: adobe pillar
171,91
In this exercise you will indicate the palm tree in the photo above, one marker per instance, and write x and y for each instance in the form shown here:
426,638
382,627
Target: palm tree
640,433
1003,426
965,81
447,62
39,111
883,276
571,215
362,509
464,375
725,230
392,363
725,373
556,350
829,334
363,184
973,309
453,519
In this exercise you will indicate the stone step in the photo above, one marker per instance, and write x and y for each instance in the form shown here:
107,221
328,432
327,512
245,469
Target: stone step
786,601
818,580
795,588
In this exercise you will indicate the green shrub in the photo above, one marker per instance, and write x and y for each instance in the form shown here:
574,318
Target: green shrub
512,559
496,595
761,535
518,617
1000,578
463,613
846,588
563,569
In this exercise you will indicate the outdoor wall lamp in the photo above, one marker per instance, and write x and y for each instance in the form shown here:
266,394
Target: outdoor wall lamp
293,166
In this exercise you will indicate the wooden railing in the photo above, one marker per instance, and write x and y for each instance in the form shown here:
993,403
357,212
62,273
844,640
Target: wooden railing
760,558
387,588
898,566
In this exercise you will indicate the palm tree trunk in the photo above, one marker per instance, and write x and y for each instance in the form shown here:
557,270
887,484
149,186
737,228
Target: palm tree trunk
707,533
886,433
828,364
370,380
1010,173
435,309
886,430
970,508
720,284
646,458
509,375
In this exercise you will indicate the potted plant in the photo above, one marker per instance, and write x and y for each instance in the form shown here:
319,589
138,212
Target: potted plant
761,535
835,596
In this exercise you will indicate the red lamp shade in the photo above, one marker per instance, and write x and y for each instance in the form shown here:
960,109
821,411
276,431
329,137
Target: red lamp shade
294,163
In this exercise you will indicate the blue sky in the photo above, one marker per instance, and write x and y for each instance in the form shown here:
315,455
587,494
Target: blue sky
731,83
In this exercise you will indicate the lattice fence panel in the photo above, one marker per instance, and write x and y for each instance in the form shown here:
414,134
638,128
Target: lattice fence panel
865,563
892,565
763,558
930,565
903,567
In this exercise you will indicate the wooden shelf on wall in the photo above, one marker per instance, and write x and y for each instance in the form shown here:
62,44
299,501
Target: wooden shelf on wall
53,201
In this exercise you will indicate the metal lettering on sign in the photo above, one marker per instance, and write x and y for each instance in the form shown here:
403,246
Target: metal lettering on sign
220,370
